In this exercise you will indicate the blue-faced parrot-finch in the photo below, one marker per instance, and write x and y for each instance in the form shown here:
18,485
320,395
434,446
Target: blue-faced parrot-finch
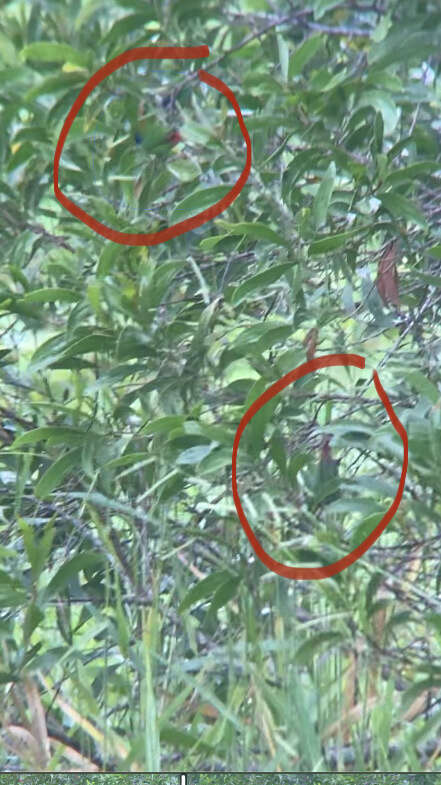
152,137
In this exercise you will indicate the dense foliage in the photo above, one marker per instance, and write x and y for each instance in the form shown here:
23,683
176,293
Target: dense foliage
58,778
139,631
312,779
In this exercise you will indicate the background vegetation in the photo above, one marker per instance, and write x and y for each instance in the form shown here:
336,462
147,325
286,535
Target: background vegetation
218,779
313,779
59,778
138,629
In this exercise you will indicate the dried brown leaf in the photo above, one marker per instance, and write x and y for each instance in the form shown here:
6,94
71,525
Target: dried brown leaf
387,280
310,343
353,715
74,756
38,721
22,743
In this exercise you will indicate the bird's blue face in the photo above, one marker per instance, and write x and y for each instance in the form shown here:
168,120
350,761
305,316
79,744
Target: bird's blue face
138,138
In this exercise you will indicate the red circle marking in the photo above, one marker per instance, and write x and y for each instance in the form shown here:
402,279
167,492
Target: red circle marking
328,570
153,238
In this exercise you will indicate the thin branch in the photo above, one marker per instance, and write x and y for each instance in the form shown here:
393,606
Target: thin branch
429,301
330,30
281,20
56,239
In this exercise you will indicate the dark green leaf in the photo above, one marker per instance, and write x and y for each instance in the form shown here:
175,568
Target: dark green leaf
205,588
53,476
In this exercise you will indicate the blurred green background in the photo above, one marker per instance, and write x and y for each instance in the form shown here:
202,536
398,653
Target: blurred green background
138,629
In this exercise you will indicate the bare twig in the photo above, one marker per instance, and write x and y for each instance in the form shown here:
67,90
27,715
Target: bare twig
275,22
331,30
55,239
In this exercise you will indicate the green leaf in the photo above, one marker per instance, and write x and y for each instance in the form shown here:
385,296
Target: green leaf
435,250
7,50
128,24
402,208
378,486
256,230
205,588
29,544
371,297
183,739
363,529
434,280
255,430
127,460
33,617
53,476
51,295
195,454
224,593
164,424
51,52
303,54
321,6
208,243
12,591
363,506
70,568
184,169
56,435
98,342
37,548
283,56
217,433
332,242
400,45
295,463
260,337
259,281
108,258
323,196
216,461
417,687
409,173
277,451
197,133
384,24
48,352
198,201
55,84
24,152
434,619
383,103
378,139
423,385
306,651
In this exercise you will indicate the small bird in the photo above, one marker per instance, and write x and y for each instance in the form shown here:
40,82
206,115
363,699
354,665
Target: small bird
152,137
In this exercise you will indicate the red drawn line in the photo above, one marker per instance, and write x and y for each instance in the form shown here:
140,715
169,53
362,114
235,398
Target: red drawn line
151,238
316,573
